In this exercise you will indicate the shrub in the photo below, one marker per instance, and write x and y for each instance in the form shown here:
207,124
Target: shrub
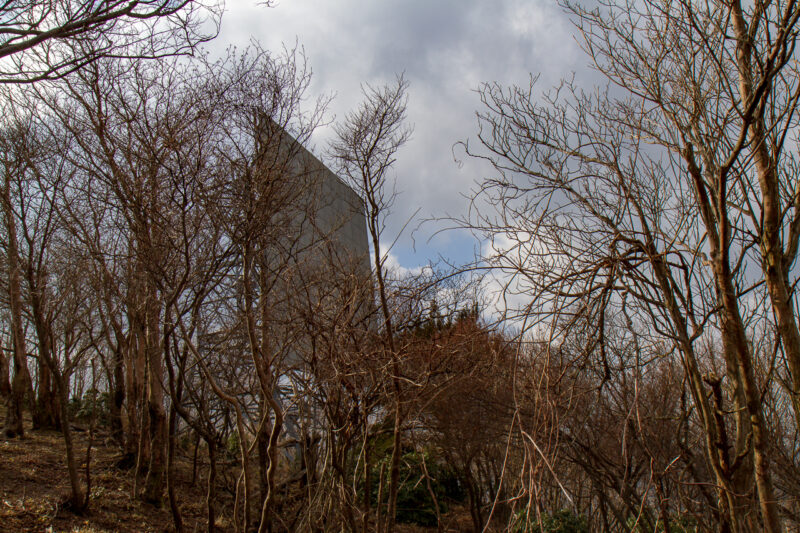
94,404
415,505
562,521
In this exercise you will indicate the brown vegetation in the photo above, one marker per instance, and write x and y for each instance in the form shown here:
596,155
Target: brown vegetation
203,333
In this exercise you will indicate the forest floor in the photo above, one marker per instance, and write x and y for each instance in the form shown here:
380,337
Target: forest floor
34,491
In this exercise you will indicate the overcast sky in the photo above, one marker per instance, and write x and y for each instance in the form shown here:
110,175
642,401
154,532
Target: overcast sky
446,48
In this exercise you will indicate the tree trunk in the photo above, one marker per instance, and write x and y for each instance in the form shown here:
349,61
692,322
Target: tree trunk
13,423
212,481
716,458
367,476
262,442
5,372
733,333
194,458
272,468
394,465
773,261
46,413
474,499
77,499
397,443
117,385
134,382
21,382
177,520
154,483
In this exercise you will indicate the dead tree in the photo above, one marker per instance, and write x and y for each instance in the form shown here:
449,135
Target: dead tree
48,39
638,196
364,150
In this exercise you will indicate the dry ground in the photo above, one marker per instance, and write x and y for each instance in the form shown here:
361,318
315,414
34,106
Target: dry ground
34,487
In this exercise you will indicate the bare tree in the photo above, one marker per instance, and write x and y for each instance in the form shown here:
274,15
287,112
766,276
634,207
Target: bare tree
142,152
364,151
21,382
640,200
54,298
46,39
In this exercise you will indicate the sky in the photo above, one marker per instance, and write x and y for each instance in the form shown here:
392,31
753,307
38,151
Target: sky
445,49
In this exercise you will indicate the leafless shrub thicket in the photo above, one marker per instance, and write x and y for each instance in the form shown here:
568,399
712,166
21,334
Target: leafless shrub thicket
177,269
176,272
653,223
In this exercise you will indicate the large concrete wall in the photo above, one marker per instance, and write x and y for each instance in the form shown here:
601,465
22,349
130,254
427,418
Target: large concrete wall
325,212
329,235
338,209
314,249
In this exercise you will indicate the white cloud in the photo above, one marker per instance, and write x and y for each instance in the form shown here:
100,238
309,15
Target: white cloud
397,271
446,48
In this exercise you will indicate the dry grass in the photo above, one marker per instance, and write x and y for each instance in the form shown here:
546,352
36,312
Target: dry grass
34,488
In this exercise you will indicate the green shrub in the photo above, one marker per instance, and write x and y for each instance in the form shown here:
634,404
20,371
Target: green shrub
232,444
562,521
94,404
415,505
677,524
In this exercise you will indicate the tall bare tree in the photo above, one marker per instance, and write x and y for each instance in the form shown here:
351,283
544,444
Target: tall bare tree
46,39
364,150
661,194
21,381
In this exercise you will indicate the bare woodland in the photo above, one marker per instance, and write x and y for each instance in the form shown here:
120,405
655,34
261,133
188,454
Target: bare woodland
170,285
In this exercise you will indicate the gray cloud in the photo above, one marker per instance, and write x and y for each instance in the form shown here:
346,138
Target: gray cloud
446,49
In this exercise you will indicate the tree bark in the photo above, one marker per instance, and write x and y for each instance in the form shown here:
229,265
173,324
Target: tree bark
21,382
211,493
134,379
47,410
177,520
5,369
77,498
154,483
118,398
